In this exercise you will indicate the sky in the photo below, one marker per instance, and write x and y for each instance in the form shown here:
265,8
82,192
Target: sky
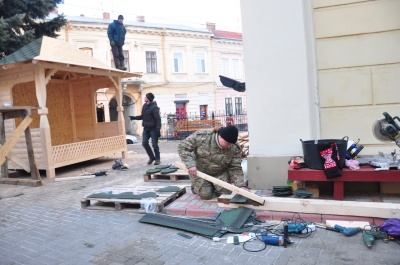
194,13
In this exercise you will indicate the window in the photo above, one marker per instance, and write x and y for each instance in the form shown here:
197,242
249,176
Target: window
231,68
200,63
126,60
225,67
151,62
178,62
238,106
235,68
228,106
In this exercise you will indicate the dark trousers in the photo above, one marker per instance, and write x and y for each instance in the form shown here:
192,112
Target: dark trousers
153,134
118,55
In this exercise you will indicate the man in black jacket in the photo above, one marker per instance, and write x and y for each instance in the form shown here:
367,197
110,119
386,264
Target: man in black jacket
151,128
116,34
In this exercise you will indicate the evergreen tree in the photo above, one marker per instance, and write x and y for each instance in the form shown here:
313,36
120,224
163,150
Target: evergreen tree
22,21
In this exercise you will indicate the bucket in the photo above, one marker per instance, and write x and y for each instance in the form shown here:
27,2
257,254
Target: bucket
311,155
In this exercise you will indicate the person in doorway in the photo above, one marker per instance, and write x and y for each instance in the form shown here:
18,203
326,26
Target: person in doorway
229,120
216,153
151,128
116,34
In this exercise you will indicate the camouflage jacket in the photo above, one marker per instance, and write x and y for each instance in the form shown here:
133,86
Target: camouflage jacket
200,149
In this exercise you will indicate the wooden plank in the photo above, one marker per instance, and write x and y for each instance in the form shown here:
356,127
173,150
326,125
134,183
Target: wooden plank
331,207
75,178
5,150
225,185
14,158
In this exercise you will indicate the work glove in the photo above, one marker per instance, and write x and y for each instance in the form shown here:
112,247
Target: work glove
112,43
158,134
132,118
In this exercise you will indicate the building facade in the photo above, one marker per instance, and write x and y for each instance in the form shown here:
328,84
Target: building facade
180,65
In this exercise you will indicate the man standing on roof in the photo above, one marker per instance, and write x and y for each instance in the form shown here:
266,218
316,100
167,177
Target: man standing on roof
116,34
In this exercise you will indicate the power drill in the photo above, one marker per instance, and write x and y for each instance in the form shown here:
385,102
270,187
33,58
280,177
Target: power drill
347,231
368,238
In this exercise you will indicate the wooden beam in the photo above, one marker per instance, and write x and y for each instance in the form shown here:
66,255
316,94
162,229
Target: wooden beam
226,185
5,150
330,207
14,158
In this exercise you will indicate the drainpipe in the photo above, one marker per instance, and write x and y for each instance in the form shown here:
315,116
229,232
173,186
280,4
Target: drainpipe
163,33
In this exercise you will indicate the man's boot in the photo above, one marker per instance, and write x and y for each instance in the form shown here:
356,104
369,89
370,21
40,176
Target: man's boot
122,66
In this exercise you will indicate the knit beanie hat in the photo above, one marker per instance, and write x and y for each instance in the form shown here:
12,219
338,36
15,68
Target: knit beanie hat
120,17
229,134
150,96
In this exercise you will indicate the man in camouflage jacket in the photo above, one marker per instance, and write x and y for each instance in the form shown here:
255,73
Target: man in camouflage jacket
215,153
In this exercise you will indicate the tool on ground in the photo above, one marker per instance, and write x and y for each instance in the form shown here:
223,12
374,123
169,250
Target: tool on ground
348,231
326,227
274,240
295,227
368,238
285,235
226,185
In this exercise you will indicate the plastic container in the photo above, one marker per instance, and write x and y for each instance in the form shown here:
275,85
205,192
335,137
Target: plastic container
311,155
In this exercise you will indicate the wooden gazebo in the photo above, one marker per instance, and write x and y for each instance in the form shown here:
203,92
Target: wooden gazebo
61,82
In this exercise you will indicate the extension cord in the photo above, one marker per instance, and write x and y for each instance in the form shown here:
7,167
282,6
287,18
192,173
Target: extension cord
308,229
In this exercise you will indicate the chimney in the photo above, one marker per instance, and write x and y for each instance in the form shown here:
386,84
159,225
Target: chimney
106,15
140,19
210,26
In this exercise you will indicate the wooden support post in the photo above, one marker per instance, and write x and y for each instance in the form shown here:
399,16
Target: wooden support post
45,134
32,164
226,185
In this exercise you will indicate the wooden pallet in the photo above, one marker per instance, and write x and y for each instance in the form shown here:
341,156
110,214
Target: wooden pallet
163,199
175,176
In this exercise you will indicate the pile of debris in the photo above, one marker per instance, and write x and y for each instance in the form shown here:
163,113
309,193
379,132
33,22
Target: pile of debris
243,141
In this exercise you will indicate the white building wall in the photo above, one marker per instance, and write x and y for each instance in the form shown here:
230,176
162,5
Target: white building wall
319,69
280,85
358,55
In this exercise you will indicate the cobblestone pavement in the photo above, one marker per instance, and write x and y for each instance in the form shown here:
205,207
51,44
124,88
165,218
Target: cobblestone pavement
46,225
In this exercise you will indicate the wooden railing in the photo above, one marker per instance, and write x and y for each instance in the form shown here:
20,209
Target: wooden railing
77,152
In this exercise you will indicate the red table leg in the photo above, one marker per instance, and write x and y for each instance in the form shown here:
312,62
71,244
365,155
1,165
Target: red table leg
338,190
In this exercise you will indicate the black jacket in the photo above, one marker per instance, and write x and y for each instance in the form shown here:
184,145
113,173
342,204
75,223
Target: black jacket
150,116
